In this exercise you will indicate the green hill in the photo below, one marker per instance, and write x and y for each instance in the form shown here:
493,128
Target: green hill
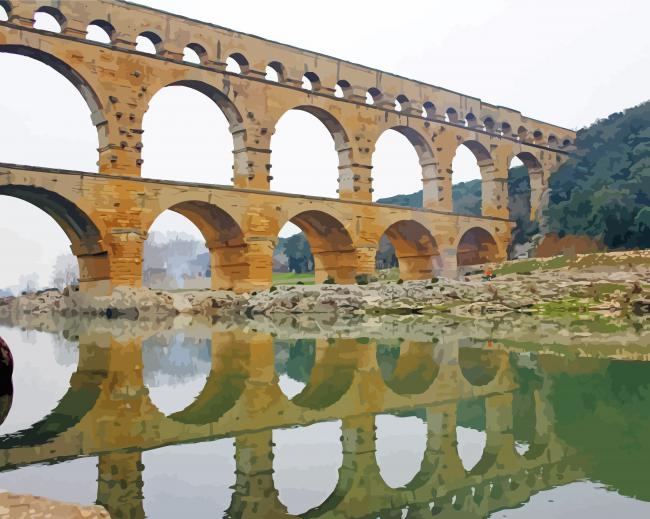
603,191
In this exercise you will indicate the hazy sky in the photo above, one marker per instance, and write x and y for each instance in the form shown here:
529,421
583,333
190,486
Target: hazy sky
568,63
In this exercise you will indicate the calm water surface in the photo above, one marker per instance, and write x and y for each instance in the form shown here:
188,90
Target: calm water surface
227,422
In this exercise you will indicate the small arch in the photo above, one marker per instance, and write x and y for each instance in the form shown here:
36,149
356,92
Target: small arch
506,129
566,142
451,115
275,72
237,64
552,140
470,120
400,100
429,110
343,89
5,10
311,81
148,42
538,135
195,53
48,18
475,247
522,133
489,124
373,95
100,31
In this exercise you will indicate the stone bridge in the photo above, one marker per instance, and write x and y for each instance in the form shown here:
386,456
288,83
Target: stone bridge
107,215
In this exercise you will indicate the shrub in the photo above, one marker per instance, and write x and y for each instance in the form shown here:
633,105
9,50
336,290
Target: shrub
361,279
400,281
329,281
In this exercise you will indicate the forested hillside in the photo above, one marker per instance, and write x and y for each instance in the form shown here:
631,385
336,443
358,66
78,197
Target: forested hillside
603,191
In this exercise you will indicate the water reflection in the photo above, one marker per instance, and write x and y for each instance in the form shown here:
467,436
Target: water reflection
235,422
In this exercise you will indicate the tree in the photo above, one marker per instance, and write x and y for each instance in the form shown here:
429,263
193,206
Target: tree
65,271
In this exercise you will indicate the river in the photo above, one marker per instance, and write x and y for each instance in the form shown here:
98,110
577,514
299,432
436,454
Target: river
234,420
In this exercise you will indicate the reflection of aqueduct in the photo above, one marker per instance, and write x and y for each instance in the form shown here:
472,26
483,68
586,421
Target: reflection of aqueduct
107,215
107,412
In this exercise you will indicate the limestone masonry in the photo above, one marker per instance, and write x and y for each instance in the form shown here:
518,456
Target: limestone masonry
107,215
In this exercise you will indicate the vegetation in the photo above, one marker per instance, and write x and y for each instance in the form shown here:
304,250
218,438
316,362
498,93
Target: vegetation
603,191
293,278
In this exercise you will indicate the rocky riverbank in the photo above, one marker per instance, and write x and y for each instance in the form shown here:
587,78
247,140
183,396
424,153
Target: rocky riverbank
615,285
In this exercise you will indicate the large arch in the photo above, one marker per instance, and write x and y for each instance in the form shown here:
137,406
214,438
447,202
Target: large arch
470,171
415,248
331,245
63,68
476,246
85,234
77,160
191,114
535,184
384,159
299,165
224,239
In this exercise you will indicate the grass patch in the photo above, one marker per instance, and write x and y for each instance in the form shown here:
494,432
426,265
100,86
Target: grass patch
291,278
528,266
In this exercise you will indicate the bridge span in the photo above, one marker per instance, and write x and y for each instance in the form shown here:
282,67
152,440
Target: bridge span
106,215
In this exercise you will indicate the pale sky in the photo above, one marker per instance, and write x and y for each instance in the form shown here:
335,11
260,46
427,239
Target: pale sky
567,63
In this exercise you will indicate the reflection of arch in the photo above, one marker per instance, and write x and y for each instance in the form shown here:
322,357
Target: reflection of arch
84,88
476,246
224,385
409,369
331,376
79,400
223,237
415,248
331,246
478,366
85,237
